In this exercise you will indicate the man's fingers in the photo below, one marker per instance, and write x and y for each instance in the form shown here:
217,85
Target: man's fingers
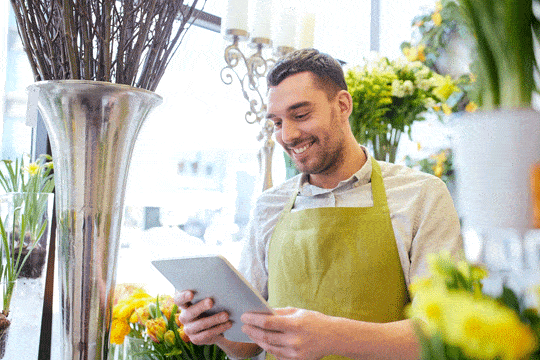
183,298
205,323
267,322
194,311
265,337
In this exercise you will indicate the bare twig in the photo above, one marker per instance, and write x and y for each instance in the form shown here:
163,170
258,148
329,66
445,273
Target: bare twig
124,41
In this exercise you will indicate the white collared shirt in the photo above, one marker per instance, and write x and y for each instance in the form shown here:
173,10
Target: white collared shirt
421,211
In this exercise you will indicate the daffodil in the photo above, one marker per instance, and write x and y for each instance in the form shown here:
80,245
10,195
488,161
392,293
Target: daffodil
33,169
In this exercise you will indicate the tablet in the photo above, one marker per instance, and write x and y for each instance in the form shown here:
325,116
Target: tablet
214,277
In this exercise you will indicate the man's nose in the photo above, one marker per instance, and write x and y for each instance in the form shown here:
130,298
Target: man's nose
289,132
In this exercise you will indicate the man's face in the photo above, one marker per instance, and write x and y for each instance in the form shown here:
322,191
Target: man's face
307,124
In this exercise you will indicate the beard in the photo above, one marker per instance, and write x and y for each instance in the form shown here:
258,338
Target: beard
326,155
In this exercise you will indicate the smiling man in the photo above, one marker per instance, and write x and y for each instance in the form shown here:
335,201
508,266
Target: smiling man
335,248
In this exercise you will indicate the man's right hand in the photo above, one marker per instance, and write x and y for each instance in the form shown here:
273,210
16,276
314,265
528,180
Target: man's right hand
202,330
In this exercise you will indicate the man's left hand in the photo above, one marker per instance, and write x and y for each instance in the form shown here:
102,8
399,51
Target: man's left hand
291,333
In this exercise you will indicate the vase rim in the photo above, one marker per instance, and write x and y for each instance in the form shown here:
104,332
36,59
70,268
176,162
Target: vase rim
84,84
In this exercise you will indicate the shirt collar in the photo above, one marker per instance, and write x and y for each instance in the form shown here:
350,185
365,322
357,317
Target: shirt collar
361,177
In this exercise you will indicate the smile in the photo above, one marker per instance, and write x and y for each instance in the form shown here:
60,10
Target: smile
302,149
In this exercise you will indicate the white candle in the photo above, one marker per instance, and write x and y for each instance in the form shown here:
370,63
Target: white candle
306,33
260,19
285,31
236,16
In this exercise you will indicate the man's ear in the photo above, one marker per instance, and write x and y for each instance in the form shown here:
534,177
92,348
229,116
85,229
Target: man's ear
345,103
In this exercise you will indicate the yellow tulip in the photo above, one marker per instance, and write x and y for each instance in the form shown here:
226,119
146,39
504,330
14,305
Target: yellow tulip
156,329
169,338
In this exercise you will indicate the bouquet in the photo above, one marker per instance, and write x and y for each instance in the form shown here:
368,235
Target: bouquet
156,322
389,96
456,320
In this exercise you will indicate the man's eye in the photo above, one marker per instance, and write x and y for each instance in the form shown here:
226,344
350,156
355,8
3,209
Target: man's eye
301,116
277,124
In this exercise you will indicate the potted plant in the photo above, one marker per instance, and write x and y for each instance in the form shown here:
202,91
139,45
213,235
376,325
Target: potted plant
97,64
25,214
497,145
389,96
29,191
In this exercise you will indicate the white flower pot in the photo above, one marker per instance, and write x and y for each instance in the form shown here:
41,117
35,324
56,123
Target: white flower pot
493,155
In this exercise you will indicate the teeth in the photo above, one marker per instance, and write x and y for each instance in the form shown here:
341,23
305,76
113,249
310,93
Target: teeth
301,150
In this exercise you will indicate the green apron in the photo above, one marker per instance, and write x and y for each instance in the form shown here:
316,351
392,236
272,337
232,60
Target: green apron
339,261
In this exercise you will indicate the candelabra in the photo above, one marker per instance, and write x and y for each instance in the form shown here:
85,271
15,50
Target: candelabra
251,74
251,70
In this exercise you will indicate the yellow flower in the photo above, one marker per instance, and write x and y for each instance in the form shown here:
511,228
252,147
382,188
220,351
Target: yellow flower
446,109
125,307
437,108
156,329
119,330
141,315
166,305
169,337
441,157
418,146
429,308
436,18
471,107
33,169
445,87
484,329
438,6
415,53
438,170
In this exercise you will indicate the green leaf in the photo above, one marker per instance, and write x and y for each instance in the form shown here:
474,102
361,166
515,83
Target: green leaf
510,299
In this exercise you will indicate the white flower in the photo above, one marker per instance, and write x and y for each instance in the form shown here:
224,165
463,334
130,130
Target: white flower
424,84
423,73
429,102
397,89
408,87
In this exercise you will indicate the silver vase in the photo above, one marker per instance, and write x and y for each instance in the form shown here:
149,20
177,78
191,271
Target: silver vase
92,126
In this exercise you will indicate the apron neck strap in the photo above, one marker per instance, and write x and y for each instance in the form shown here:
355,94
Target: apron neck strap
377,185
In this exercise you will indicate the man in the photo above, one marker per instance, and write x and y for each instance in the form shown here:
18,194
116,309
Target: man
333,249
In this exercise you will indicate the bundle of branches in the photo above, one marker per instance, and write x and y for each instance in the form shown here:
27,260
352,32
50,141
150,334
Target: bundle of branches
126,41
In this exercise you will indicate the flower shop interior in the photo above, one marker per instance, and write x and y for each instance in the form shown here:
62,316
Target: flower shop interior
204,155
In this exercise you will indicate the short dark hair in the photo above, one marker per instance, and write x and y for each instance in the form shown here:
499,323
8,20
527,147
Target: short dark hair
327,70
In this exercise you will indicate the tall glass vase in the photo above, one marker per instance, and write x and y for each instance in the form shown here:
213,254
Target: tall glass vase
92,126
385,145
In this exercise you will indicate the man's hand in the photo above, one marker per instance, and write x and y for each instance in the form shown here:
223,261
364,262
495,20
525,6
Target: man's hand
201,330
291,334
